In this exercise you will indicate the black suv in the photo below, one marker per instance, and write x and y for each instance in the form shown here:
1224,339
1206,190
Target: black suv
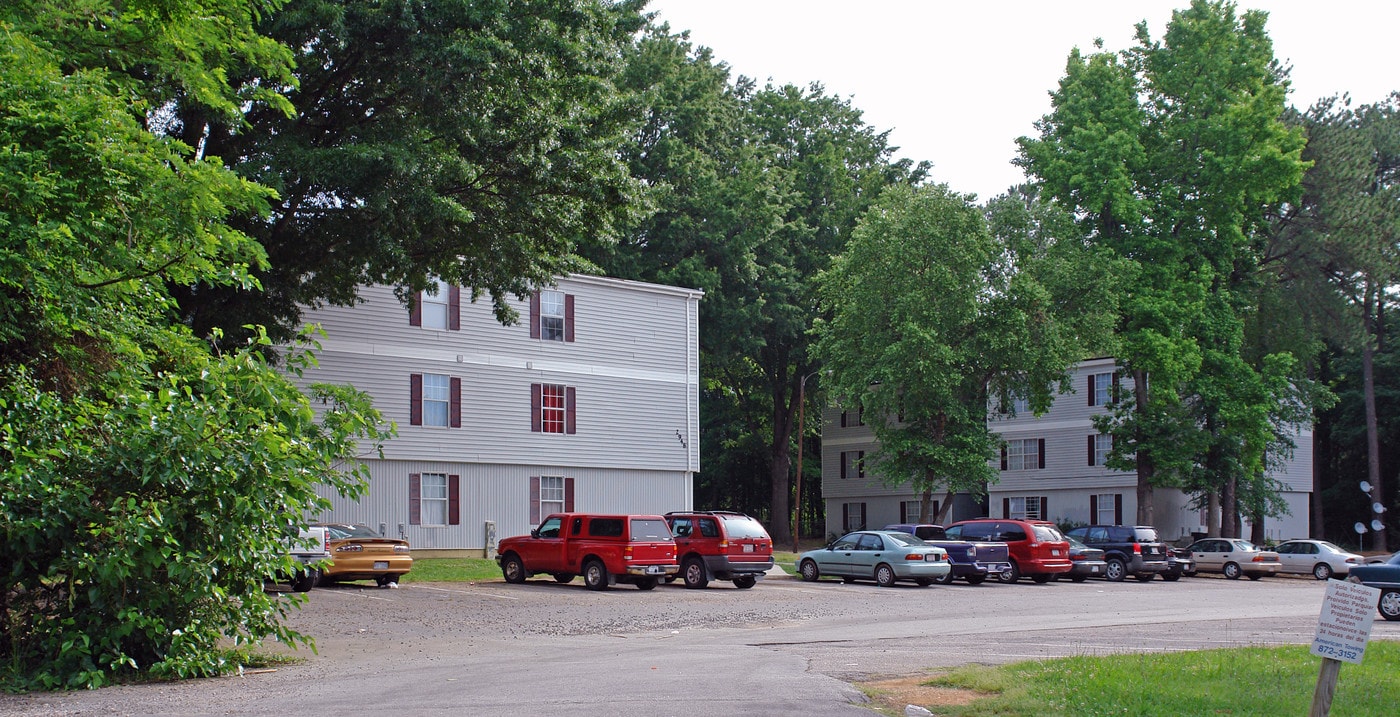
1128,549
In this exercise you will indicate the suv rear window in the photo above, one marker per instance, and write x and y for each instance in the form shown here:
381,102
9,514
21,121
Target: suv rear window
742,526
648,529
1048,534
1145,535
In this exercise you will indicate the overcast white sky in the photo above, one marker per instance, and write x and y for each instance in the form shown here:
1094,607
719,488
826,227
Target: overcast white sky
958,82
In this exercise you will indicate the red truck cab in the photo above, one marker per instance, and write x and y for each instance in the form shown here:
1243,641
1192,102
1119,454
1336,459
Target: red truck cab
604,549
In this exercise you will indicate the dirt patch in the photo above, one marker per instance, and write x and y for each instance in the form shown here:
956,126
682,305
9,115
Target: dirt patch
895,694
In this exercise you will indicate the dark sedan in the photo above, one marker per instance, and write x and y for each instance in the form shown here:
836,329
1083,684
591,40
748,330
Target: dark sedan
1385,576
1086,562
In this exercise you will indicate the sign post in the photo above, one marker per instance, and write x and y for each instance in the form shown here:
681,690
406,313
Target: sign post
1343,628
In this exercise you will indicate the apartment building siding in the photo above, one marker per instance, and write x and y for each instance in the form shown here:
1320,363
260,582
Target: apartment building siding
628,435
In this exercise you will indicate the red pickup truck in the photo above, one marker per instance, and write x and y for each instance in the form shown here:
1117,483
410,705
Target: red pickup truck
605,549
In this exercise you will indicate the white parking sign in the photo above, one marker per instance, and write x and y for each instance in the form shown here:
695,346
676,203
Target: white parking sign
1345,623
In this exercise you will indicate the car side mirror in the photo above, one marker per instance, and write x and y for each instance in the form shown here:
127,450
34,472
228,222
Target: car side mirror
534,532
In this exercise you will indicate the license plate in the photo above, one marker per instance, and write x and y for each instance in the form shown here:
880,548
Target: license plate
748,548
381,565
1095,569
654,570
1055,551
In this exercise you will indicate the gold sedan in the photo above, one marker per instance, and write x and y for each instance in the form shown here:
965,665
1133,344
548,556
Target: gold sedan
358,552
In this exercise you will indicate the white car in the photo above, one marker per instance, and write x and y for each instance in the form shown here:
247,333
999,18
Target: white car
1318,557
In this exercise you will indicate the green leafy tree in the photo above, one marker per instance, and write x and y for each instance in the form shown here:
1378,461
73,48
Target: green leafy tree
934,319
1339,245
472,140
145,483
1172,153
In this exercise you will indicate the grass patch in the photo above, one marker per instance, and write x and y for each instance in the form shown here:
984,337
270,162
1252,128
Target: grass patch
1244,681
452,570
786,560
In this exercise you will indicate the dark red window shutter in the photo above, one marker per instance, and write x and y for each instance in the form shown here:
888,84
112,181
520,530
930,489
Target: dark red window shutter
415,399
535,315
1117,508
1091,449
568,495
535,391
843,467
534,500
1040,448
569,317
1045,507
415,311
845,516
1093,509
415,499
455,404
903,511
454,500
1006,507
454,309
1003,457
1092,402
570,412
843,419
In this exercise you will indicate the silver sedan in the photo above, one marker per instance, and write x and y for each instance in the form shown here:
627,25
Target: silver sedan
1318,557
885,556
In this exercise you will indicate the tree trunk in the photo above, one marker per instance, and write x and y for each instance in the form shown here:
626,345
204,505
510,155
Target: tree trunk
1146,469
924,504
1229,511
945,508
1213,515
780,460
1373,447
1256,528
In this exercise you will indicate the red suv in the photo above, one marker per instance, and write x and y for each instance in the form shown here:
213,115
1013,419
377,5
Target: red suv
1038,548
720,545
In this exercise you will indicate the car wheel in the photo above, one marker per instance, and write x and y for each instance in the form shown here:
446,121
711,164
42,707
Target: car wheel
385,580
884,575
1232,571
304,580
512,569
1041,578
1144,577
1322,571
1010,575
945,579
564,578
1389,604
647,583
1079,578
1115,571
595,576
975,579
694,573
1171,577
745,582
809,570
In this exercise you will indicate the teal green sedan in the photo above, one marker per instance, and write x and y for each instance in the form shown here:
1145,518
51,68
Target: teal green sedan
885,556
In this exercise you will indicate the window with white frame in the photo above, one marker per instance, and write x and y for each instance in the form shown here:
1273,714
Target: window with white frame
551,494
909,511
1023,454
552,315
1100,389
433,496
1106,509
853,516
1024,508
1099,446
852,464
552,411
435,306
436,399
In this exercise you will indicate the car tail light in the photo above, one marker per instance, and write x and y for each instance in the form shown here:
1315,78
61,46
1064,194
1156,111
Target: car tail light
914,556
401,549
350,548
972,552
1258,559
627,553
724,545
1137,548
1352,561
1079,556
